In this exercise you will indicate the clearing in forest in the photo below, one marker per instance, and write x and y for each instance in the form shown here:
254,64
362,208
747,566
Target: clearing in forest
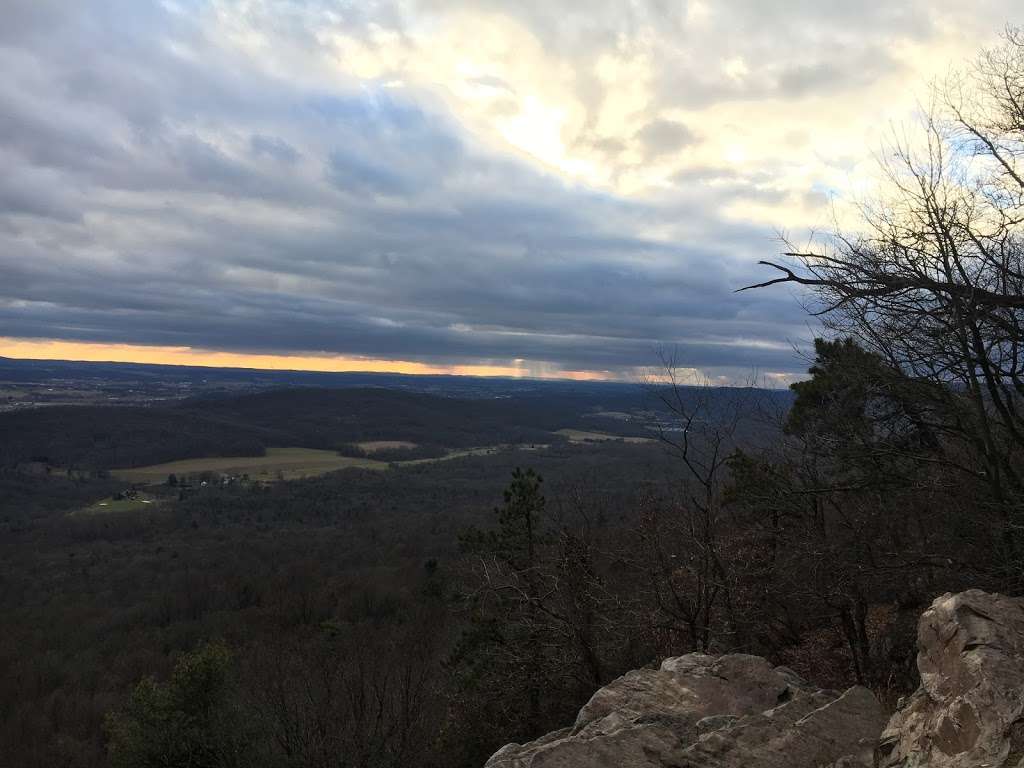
113,505
372,446
580,436
277,464
298,463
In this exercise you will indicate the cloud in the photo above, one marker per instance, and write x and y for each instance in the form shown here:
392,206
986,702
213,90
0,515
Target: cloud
273,147
660,137
440,182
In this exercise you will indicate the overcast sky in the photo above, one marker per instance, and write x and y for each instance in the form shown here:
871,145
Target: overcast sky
532,186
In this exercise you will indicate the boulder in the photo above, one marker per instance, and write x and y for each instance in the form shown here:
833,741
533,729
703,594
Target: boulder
698,710
738,711
969,709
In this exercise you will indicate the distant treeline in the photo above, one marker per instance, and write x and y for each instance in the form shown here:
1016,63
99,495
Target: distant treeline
98,437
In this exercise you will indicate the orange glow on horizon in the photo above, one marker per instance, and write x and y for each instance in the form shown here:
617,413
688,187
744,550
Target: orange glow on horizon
56,349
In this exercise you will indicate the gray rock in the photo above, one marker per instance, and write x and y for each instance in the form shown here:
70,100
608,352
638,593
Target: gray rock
699,710
738,711
969,710
715,723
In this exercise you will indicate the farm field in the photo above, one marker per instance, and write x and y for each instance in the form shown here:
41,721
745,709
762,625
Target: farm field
111,505
487,450
619,415
372,446
278,463
292,463
581,436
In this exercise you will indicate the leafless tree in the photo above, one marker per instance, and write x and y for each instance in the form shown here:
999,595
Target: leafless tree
542,576
351,698
934,281
690,544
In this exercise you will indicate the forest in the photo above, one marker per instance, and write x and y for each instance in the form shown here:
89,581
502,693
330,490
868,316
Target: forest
104,437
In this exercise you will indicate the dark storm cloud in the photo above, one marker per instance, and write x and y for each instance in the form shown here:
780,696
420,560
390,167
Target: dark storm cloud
159,189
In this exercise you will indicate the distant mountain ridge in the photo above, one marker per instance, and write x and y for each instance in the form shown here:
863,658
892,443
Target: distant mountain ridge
139,414
14,369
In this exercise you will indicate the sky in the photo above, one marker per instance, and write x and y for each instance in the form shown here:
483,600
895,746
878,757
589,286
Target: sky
536,188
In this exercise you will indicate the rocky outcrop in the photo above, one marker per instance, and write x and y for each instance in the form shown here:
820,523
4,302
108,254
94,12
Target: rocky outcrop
969,710
697,711
738,711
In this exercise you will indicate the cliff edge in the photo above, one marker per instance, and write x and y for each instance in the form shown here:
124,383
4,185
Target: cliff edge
739,711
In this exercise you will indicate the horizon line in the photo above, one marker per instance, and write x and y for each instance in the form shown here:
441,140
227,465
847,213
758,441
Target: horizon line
56,350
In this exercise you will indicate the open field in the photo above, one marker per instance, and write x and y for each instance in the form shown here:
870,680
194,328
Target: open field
294,463
372,446
111,506
487,450
580,436
619,415
278,463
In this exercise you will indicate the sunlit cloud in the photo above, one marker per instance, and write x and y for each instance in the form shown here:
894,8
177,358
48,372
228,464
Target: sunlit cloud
56,349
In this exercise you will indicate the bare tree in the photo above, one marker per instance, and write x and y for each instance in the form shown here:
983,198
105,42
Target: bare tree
543,614
935,281
690,546
350,697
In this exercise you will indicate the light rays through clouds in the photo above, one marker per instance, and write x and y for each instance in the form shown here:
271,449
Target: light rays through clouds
519,188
